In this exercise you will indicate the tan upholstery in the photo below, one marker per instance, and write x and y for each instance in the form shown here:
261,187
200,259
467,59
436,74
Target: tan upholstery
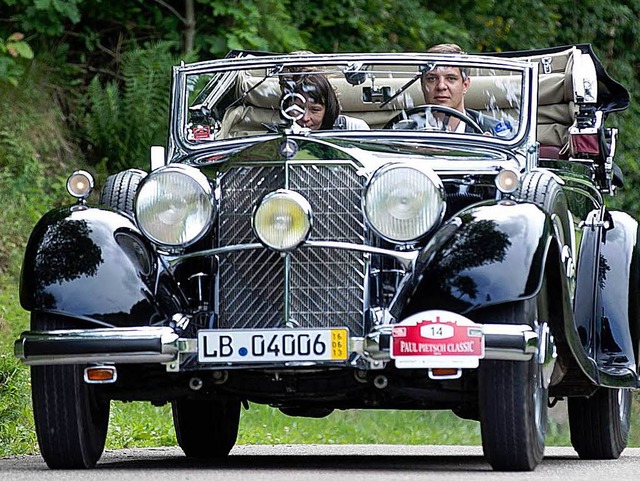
555,111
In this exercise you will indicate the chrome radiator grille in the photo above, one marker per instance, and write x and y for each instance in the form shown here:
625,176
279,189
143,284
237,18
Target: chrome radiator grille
325,287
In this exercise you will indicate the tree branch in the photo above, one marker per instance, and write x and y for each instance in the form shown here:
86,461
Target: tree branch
172,10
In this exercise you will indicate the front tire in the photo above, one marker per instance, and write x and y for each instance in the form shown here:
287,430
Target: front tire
600,424
71,420
514,399
120,189
206,429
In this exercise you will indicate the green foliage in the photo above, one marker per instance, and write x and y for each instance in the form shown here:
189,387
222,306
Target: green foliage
142,425
46,17
373,25
13,51
249,24
34,143
128,115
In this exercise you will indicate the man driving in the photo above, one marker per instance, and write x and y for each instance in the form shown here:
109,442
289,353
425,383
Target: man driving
446,87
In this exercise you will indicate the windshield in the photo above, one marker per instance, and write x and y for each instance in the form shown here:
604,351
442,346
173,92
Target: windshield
438,97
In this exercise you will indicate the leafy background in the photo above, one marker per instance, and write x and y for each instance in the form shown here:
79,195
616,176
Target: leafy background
85,83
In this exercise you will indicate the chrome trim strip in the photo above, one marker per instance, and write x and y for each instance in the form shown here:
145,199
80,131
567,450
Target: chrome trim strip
406,258
287,287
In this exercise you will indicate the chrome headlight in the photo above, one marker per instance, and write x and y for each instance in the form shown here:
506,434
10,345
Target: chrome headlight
282,221
174,205
402,203
80,184
508,180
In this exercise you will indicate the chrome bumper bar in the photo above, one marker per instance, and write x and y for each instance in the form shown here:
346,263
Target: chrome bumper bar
147,344
132,345
503,342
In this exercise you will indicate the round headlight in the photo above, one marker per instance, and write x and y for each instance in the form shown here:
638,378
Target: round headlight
508,180
174,205
80,184
282,221
402,203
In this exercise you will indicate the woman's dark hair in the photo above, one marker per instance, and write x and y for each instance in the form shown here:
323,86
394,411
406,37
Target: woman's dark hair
317,88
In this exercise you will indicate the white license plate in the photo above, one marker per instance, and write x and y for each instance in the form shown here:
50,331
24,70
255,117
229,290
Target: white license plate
272,345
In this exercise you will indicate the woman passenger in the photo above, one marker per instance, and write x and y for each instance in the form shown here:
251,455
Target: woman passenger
322,109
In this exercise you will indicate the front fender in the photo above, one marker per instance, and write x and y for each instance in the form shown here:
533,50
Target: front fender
495,255
91,264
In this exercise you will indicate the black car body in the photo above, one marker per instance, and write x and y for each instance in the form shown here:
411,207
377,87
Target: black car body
404,266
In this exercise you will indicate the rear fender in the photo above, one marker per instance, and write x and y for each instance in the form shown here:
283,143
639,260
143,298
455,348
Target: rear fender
93,265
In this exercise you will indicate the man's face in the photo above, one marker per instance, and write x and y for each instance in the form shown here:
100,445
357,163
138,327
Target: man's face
445,86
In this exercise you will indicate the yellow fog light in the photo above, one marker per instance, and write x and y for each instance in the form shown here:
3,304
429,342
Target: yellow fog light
508,180
282,221
80,184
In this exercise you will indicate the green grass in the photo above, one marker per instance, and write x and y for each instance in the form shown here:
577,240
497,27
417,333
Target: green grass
17,434
265,425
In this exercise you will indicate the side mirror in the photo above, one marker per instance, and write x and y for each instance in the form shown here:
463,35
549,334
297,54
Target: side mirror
157,157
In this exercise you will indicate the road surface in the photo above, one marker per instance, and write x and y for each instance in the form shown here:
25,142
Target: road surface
325,462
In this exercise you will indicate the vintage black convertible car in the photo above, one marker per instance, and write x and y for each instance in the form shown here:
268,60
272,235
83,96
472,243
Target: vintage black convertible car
411,255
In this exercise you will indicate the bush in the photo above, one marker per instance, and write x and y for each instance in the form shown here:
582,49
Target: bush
35,152
127,116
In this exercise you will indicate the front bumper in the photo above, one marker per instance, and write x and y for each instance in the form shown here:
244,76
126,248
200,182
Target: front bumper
132,345
147,344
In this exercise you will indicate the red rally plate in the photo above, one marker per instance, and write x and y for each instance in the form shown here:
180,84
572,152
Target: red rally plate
437,339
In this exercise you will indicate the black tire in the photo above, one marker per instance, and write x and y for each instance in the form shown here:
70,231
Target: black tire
206,429
543,189
513,400
71,420
119,190
600,424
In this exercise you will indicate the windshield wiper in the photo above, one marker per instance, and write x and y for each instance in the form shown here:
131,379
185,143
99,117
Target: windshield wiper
424,69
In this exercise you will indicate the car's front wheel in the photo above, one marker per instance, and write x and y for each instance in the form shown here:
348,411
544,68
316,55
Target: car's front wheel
600,424
514,398
205,428
71,419
120,189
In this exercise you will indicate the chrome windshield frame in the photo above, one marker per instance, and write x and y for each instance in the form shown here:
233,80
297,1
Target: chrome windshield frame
179,145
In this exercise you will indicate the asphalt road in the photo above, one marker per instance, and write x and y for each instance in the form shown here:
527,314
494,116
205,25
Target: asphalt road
327,462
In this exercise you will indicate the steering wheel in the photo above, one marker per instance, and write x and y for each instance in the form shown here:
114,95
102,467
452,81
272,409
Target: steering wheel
404,118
